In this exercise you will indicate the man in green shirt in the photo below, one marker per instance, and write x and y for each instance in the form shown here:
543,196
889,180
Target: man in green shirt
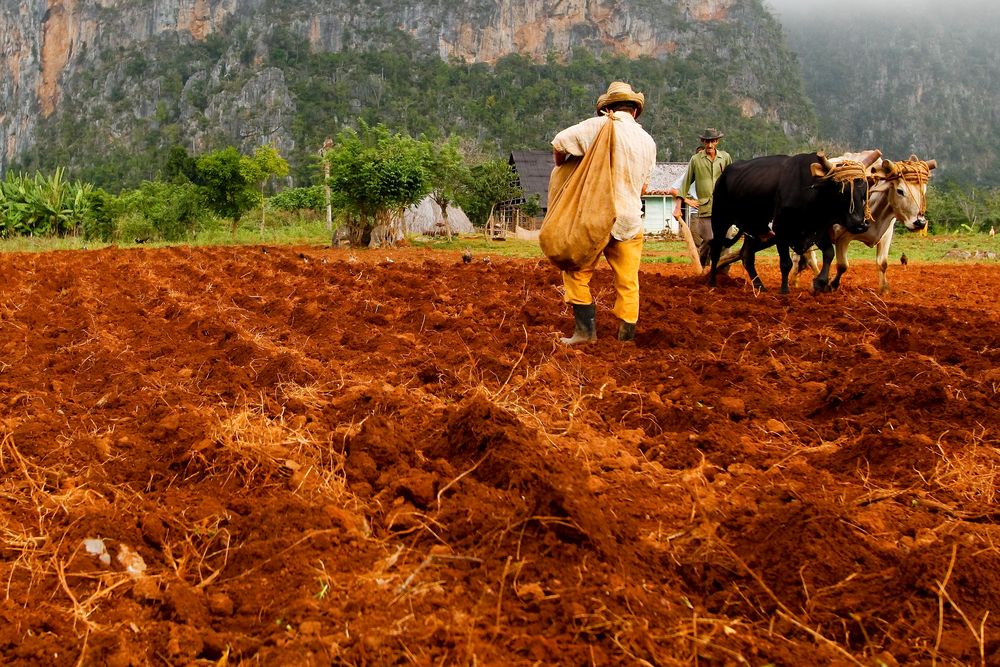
704,170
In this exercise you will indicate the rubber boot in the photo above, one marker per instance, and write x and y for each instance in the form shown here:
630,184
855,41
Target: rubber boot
586,324
626,331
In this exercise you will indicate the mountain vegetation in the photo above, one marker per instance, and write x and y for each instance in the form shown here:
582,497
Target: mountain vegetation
917,77
120,117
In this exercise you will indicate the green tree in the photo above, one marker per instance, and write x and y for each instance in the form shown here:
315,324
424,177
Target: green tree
374,176
532,206
180,166
447,174
489,183
954,207
298,199
267,164
104,211
229,182
158,210
943,210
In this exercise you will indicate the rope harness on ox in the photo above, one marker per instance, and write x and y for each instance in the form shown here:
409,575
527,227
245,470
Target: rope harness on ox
912,171
847,173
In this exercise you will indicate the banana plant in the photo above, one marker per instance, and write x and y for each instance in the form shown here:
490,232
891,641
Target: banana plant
42,205
14,205
49,198
4,232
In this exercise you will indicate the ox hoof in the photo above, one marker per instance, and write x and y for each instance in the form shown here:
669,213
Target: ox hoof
820,287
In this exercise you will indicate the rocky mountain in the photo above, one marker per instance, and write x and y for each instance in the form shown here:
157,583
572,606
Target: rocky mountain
908,77
107,86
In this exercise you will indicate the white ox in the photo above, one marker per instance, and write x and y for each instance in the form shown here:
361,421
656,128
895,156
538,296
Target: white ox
899,194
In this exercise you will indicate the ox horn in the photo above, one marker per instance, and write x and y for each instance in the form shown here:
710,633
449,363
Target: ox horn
827,165
869,159
931,164
889,166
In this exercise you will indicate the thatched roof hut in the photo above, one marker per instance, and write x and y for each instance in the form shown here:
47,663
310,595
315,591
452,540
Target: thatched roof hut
425,216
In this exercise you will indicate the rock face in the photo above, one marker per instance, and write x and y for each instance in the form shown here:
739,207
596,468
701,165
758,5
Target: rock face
48,46
929,83
45,43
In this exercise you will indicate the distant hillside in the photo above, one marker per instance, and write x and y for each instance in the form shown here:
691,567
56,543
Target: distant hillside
106,88
909,78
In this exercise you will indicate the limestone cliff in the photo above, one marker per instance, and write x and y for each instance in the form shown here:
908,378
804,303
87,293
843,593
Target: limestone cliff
46,42
59,55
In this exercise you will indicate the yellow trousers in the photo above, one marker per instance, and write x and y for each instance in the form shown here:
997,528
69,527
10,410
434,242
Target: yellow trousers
624,258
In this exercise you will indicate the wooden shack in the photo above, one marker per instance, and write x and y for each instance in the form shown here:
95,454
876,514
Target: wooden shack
533,169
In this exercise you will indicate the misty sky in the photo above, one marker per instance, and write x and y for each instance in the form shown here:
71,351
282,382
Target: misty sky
824,7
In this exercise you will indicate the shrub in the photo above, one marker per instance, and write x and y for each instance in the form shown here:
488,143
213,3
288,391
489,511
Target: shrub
134,227
296,199
99,222
174,211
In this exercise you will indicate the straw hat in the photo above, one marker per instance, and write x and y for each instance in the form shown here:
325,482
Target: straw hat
619,91
711,133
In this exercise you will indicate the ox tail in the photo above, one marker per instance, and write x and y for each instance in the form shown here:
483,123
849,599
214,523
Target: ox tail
730,242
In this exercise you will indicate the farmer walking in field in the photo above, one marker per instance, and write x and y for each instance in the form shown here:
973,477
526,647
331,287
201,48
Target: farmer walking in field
704,169
622,156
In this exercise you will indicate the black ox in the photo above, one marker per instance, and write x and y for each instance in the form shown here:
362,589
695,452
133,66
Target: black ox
788,201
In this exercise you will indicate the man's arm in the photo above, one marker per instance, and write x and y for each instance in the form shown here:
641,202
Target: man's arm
688,178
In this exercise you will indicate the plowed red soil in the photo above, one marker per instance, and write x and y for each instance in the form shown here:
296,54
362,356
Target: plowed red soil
307,456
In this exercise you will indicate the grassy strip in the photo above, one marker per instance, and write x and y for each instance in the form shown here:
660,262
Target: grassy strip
952,248
927,249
